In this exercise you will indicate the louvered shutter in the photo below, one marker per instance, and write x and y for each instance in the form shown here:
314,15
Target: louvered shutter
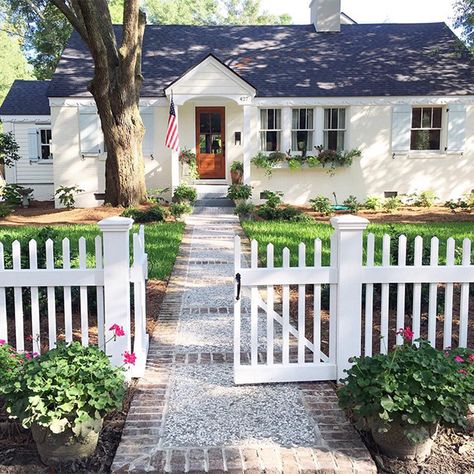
91,138
401,128
148,123
456,128
33,145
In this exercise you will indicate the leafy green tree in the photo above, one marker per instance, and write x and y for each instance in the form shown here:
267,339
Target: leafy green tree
185,12
211,12
464,18
13,63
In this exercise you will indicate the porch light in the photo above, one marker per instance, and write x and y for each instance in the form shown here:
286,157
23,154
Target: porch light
238,138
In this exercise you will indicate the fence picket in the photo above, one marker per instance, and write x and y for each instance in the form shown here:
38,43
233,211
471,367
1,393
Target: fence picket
83,295
270,307
333,302
317,306
67,292
237,303
384,298
35,313
254,308
286,310
100,295
402,259
464,304
3,301
433,293
448,295
369,298
418,260
301,306
51,296
18,295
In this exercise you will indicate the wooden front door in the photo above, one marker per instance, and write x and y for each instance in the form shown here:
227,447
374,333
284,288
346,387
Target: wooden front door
210,142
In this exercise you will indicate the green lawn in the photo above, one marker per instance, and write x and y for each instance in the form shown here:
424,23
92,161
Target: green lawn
290,234
161,241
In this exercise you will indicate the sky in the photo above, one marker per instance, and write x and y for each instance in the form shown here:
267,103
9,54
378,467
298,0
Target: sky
372,11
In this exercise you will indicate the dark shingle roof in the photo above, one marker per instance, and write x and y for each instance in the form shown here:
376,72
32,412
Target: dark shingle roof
295,61
26,98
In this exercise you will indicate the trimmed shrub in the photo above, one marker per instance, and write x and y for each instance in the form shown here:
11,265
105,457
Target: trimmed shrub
373,203
178,209
321,204
152,214
244,209
239,191
185,193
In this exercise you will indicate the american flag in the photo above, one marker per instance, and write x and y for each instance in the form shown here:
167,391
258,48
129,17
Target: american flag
172,136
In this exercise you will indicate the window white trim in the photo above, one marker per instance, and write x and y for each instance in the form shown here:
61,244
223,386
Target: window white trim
295,130
337,129
39,129
442,130
265,130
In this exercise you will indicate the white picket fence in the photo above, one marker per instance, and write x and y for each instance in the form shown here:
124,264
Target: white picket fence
280,350
111,276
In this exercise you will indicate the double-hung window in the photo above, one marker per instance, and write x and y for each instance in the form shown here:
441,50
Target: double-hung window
334,132
302,130
426,128
270,129
44,137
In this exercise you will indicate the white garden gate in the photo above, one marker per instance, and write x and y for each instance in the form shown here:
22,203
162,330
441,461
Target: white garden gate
272,318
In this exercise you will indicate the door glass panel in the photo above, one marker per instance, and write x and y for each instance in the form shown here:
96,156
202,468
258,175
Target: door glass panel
215,122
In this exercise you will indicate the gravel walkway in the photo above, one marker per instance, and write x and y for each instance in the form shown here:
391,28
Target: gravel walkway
188,416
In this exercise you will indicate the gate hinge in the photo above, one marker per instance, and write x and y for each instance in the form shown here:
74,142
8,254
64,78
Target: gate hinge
238,279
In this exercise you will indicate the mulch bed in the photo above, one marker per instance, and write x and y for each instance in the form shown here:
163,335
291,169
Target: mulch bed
41,213
17,449
403,215
453,453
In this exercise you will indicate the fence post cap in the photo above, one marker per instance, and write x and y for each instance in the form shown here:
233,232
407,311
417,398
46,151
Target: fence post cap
349,222
115,224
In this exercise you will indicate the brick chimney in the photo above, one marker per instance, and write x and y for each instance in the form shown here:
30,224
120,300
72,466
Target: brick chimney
326,15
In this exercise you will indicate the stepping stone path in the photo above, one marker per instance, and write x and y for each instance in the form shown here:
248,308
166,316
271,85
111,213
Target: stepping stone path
188,416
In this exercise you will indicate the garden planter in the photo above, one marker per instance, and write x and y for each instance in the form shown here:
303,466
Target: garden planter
236,176
66,446
395,444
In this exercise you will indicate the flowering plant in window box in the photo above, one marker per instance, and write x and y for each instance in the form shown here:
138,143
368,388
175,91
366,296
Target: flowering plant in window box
63,395
188,161
403,396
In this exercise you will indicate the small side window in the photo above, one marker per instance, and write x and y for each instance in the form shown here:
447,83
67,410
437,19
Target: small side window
44,136
426,128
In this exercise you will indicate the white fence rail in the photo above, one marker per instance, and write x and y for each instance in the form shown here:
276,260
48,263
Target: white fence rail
365,304
59,285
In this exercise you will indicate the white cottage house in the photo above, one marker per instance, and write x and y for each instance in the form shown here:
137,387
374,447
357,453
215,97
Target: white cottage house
402,94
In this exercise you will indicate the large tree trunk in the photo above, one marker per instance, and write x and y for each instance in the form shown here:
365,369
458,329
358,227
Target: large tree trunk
116,89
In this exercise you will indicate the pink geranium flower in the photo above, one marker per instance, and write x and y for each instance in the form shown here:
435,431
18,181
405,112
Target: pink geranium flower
407,334
471,357
129,358
118,330
458,359
462,371
2,342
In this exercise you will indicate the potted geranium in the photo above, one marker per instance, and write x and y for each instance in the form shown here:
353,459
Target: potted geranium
403,396
239,193
63,395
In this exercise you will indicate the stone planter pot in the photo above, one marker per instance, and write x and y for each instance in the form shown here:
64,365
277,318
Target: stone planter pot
63,447
395,444
237,177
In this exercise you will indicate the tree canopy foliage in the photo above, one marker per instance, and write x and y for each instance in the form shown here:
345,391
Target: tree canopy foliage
41,30
464,18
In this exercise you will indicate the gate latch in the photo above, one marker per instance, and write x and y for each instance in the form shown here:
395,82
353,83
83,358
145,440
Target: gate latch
238,279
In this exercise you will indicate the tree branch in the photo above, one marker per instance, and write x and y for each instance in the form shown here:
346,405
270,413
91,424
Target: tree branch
76,22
